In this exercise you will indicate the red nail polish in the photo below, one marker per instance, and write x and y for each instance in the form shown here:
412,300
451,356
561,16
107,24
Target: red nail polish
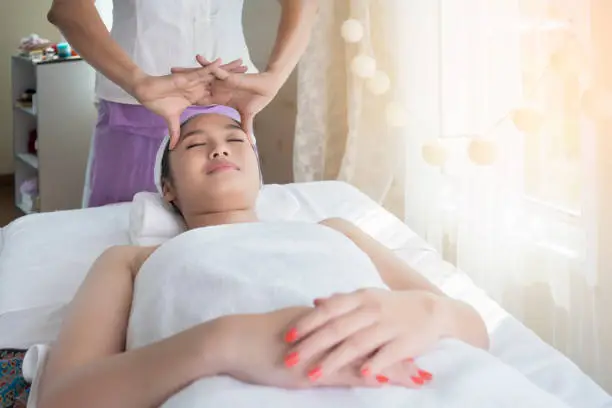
417,380
292,359
317,302
366,372
425,375
315,374
291,335
382,379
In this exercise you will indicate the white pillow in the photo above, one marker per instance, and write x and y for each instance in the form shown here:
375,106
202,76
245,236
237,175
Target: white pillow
153,222
61,244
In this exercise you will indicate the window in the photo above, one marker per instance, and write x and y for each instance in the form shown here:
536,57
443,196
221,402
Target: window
553,61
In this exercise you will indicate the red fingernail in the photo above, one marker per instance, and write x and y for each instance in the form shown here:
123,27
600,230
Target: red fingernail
291,335
317,302
314,374
366,372
382,379
425,375
292,359
417,380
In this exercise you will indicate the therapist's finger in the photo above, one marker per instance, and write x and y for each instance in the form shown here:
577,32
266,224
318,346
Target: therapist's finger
174,129
237,63
240,69
202,61
247,125
220,73
205,73
182,70
228,67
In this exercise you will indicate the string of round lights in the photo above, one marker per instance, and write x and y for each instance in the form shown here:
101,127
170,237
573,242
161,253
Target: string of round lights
567,60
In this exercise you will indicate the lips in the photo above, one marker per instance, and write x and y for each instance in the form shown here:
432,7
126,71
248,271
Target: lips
219,166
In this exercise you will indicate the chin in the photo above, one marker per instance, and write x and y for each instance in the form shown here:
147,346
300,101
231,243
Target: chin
220,188
228,197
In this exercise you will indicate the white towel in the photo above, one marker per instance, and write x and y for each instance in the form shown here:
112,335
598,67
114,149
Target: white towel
260,267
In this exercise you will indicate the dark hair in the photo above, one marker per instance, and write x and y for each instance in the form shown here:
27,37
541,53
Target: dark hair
165,172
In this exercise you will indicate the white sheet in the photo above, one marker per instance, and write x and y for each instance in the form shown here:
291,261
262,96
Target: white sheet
46,256
197,277
50,244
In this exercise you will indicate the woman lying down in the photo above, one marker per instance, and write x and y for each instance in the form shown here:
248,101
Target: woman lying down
237,313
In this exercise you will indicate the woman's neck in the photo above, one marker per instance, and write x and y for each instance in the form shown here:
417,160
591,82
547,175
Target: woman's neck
220,218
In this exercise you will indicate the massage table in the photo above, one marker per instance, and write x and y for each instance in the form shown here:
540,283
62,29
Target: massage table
44,258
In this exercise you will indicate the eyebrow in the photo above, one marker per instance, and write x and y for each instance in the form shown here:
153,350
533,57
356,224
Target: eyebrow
229,126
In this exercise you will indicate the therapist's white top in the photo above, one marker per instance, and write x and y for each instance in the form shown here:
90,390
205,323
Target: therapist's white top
160,34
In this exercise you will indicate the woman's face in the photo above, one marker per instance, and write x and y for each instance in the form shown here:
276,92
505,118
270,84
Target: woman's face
213,168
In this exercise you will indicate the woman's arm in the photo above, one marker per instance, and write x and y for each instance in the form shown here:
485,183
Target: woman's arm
82,26
297,20
87,366
459,320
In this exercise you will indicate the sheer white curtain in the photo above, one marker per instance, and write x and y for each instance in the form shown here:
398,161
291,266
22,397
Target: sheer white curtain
499,158
493,160
468,119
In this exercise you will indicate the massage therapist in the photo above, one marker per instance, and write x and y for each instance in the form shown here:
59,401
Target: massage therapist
160,58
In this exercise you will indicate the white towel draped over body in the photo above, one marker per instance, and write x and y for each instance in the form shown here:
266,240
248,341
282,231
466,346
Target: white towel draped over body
260,267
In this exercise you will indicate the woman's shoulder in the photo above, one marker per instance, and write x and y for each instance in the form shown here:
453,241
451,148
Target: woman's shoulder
141,254
132,255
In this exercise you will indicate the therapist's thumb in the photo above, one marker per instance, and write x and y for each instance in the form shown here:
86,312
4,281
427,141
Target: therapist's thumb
247,124
174,129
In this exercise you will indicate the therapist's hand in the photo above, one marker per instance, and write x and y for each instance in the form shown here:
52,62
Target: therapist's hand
249,94
169,95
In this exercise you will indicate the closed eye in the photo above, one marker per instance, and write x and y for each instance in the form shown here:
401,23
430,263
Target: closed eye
195,145
236,140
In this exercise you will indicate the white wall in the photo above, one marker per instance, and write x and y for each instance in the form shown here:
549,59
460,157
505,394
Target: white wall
17,20
105,8
275,125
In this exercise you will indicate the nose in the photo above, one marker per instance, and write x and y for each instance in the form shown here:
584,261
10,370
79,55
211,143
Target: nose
219,151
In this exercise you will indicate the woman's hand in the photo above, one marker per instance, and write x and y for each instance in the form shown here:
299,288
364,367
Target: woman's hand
257,352
169,95
249,94
380,327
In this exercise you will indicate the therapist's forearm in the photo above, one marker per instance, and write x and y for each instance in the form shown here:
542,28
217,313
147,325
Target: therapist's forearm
82,26
297,19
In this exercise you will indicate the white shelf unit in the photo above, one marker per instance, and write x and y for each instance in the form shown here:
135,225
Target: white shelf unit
64,117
